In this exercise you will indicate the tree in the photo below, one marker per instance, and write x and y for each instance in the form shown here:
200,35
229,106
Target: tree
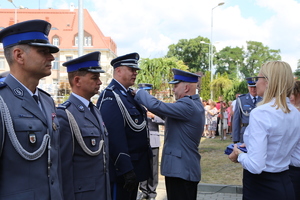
205,86
247,61
220,85
158,72
297,72
193,53
228,60
255,55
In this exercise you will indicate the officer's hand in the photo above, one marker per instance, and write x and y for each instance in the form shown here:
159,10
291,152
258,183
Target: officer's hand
130,181
150,115
133,92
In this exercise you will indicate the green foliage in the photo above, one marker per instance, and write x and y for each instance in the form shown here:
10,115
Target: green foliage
158,72
228,60
297,72
255,55
234,63
240,63
238,87
205,86
220,85
193,53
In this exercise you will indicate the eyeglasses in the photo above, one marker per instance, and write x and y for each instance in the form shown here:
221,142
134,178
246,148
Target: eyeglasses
255,79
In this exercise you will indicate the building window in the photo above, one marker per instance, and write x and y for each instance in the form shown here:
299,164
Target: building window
55,64
69,58
87,41
2,63
55,41
55,81
76,41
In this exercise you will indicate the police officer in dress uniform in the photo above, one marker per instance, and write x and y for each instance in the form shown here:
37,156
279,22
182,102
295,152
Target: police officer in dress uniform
184,124
29,132
245,103
148,187
84,139
126,122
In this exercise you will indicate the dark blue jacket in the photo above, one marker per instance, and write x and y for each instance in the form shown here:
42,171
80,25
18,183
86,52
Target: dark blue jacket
128,149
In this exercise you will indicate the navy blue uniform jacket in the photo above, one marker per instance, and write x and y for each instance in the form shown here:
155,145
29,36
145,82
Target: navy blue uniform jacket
128,149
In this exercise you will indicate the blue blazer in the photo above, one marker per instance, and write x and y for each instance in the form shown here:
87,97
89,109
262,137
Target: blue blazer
20,178
83,176
247,106
184,124
128,149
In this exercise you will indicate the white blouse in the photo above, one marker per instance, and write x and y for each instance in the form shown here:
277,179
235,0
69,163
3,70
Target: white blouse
270,138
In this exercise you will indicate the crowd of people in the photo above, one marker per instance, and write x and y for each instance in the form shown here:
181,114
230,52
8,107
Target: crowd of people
110,151
214,111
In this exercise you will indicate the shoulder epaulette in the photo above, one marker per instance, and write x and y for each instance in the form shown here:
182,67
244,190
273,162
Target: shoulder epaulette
2,84
44,92
64,105
111,88
241,95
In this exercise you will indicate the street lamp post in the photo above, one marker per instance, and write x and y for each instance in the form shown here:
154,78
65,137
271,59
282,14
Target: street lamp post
211,47
11,1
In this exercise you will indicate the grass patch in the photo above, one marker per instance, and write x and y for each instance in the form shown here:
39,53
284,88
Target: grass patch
216,168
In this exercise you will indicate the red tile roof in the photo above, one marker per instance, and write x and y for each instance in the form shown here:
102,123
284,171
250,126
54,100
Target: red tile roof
66,24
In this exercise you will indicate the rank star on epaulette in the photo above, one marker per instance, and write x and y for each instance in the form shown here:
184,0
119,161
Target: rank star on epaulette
80,108
124,93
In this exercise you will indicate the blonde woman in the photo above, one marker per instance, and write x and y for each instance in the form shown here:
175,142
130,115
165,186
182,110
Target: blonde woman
271,136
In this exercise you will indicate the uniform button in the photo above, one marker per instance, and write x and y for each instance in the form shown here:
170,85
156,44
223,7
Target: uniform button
79,188
52,181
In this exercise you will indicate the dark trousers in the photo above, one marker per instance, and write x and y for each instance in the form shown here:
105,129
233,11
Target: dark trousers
218,131
148,187
119,193
179,189
267,186
294,173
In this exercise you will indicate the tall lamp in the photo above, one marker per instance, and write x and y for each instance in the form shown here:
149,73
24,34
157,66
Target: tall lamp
11,1
211,47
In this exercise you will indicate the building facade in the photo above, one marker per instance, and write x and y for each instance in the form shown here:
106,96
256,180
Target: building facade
64,34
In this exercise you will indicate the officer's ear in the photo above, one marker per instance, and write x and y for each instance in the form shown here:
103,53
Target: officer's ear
187,87
76,80
18,55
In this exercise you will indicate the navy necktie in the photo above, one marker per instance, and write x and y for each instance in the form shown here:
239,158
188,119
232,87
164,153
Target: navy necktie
254,100
36,98
92,109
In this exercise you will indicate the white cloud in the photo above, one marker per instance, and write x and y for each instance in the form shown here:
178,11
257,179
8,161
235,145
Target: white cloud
150,26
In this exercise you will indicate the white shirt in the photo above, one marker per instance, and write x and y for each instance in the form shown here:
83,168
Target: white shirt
270,138
233,104
83,100
295,158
